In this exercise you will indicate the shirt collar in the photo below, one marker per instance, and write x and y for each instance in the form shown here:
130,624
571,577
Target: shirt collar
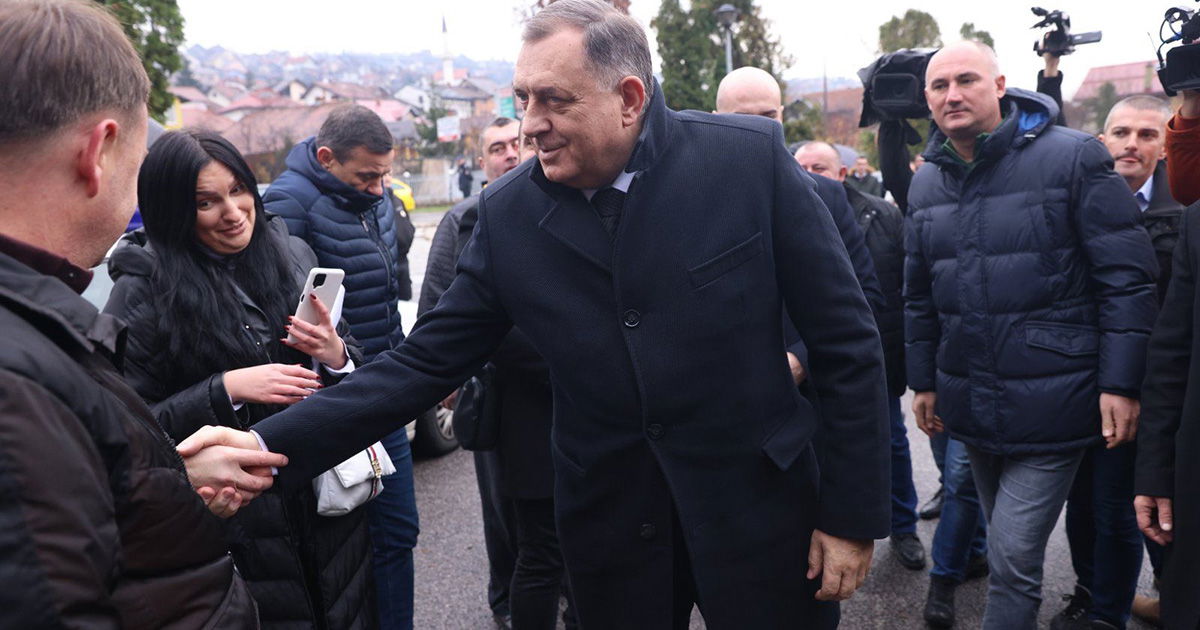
46,263
621,183
1143,194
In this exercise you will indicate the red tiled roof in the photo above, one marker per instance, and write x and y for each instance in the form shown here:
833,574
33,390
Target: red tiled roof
350,91
258,102
388,109
187,93
1128,78
197,116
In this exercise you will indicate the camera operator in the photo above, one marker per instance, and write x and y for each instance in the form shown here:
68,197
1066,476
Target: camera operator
1183,149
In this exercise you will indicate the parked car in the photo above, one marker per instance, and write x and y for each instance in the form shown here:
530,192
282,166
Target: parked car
404,193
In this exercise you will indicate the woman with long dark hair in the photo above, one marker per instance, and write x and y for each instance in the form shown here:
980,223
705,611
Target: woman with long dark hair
206,290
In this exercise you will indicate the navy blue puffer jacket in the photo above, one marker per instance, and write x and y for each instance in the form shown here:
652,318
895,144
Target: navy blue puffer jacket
1029,284
348,230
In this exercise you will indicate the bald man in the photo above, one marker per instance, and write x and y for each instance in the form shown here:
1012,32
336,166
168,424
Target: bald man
1029,299
755,92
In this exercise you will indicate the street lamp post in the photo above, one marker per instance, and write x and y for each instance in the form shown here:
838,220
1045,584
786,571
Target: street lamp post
727,16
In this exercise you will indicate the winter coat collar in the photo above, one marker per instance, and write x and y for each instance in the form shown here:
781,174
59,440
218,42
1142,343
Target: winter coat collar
48,303
303,160
570,219
1160,195
1026,116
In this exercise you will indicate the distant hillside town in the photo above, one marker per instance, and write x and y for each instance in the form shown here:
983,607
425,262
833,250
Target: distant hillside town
436,105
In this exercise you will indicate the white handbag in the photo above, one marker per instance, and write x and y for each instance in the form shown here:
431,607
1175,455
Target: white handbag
352,482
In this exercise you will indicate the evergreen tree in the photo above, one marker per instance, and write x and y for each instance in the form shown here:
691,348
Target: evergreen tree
692,48
156,29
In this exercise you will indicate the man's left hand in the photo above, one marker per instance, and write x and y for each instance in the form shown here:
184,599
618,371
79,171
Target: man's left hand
1118,419
842,564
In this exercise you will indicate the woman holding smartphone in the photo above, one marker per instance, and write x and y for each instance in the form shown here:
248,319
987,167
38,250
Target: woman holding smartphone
207,290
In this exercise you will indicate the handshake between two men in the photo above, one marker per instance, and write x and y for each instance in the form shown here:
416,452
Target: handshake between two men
228,468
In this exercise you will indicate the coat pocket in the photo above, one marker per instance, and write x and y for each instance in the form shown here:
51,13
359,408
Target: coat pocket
1073,340
792,435
725,262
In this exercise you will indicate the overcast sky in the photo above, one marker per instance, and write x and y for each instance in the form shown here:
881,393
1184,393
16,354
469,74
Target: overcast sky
837,36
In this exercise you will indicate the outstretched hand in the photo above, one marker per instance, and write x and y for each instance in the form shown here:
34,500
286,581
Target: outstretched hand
227,467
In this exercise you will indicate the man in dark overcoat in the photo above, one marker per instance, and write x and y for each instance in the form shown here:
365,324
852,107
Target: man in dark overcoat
1167,479
648,256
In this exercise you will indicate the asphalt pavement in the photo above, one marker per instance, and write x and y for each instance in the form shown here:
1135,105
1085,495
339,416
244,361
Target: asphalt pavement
451,565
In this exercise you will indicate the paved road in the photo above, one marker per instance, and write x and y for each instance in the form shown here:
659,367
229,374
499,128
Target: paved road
451,571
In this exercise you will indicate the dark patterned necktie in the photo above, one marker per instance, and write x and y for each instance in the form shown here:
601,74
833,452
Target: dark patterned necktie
608,204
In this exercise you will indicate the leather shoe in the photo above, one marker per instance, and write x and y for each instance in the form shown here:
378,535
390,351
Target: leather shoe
932,508
909,551
1074,616
939,604
1148,609
977,566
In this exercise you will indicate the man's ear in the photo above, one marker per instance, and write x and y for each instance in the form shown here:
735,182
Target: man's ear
325,156
479,161
97,154
842,172
1000,81
633,99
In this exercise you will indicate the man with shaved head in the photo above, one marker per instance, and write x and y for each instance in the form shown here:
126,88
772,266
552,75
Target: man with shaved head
1029,299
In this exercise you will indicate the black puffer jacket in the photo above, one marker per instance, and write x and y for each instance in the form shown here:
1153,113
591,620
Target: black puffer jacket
99,526
883,229
1029,284
305,570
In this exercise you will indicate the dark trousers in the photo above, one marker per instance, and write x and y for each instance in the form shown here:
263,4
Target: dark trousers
537,582
499,531
962,531
392,519
1106,545
904,493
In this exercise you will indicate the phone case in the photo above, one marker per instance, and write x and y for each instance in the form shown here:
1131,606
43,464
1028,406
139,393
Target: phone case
326,283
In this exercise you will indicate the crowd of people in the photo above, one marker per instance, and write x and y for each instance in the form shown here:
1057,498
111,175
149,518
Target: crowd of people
685,391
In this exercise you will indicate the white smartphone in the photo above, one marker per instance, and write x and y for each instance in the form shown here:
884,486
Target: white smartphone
327,284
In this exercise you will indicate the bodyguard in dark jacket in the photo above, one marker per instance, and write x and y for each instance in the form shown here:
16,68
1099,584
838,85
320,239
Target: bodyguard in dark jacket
1029,293
1168,470
681,446
305,570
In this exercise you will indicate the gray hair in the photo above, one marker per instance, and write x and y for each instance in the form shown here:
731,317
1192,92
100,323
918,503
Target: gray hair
616,44
1142,103
63,60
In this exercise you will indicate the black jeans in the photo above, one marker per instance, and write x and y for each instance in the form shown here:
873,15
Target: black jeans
499,531
537,580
